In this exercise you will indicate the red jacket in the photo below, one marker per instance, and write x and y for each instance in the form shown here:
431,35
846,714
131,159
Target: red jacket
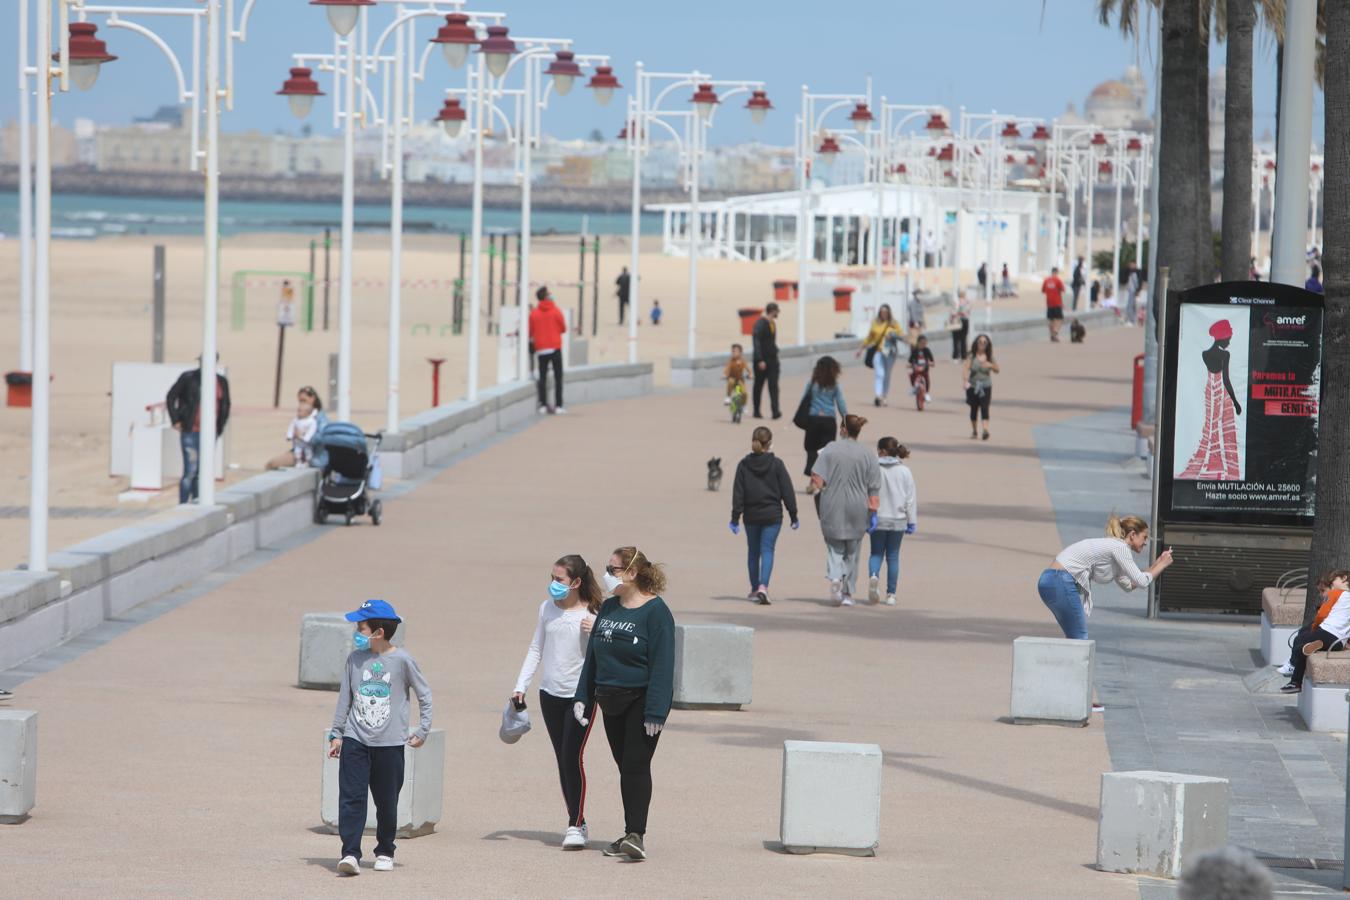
547,326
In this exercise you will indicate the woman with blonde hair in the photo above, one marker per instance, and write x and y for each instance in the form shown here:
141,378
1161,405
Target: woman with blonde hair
1066,586
763,487
630,673
558,651
882,345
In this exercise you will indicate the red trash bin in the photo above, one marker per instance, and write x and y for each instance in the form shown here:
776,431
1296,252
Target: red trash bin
19,389
784,291
1137,398
843,299
748,319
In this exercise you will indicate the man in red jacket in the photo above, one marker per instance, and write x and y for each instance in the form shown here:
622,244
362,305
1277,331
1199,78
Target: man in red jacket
547,326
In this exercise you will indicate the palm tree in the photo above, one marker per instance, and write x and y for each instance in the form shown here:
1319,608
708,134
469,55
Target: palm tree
1331,526
1239,24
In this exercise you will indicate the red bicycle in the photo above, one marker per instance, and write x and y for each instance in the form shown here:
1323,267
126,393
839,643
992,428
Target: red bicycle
919,378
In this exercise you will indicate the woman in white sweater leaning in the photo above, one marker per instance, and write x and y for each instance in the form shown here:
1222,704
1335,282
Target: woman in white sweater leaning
558,651
897,515
1066,587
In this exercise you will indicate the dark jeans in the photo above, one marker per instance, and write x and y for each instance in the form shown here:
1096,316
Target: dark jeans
820,430
1077,289
553,359
760,541
623,306
569,744
770,376
191,444
959,337
633,751
1303,637
886,545
379,772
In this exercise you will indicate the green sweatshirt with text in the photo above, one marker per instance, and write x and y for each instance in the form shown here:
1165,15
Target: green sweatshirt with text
632,648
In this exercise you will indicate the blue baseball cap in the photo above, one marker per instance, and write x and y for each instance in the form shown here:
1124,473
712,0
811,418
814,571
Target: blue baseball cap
373,609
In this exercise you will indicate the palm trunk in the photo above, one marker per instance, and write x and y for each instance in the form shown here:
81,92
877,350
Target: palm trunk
1237,143
1178,189
1331,526
1279,92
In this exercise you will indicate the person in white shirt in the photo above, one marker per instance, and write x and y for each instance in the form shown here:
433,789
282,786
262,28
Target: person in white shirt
1066,586
301,431
558,651
897,516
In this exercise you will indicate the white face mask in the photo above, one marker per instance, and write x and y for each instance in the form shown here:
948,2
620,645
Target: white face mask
611,582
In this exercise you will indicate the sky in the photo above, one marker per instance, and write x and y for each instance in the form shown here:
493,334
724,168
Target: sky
1022,57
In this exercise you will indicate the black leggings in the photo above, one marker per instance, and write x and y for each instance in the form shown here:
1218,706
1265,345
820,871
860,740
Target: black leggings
959,337
820,431
633,750
569,744
979,404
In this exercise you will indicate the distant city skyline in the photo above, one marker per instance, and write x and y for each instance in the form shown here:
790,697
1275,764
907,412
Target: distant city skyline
985,54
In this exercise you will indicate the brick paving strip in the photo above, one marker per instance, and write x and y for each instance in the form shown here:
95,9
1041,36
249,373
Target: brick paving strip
1190,694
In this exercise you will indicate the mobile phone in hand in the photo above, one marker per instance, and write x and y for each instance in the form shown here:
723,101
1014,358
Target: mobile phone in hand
518,704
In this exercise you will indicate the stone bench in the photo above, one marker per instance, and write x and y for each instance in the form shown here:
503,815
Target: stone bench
1153,823
18,764
325,644
1281,618
1321,703
1052,681
420,801
831,798
714,666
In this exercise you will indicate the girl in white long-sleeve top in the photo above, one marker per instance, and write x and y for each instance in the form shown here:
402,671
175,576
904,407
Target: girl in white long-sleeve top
558,651
897,516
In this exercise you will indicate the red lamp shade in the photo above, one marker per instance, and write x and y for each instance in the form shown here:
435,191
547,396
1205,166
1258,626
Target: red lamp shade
1010,160
705,100
861,117
87,54
452,117
498,48
1099,140
1104,170
1316,167
342,14
1041,135
901,169
829,148
759,106
936,124
1270,165
1031,159
947,153
564,70
300,89
456,36
1010,132
604,84
1134,146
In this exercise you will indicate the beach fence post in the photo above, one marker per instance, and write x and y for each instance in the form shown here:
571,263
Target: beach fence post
309,288
457,309
157,336
595,288
491,273
506,256
581,286
327,271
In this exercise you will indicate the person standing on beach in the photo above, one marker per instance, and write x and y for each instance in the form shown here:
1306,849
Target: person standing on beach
847,477
959,323
547,327
183,404
1053,289
621,283
765,356
763,487
822,397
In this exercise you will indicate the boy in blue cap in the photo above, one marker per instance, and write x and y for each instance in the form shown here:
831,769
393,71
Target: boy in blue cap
369,730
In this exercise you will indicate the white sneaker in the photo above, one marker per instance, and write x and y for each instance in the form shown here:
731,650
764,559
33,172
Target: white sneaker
575,839
927,398
846,601
349,866
562,411
542,409
384,864
837,592
890,599
1286,669
873,589
726,401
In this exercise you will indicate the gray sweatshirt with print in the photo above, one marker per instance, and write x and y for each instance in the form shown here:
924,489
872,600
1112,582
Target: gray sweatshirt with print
372,704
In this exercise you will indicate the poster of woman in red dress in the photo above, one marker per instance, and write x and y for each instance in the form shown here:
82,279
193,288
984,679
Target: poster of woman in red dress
1210,437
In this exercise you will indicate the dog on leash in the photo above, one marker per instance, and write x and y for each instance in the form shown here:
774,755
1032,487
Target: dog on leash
1076,332
715,473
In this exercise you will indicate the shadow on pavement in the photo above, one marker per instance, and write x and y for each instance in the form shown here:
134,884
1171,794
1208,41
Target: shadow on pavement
1082,810
543,837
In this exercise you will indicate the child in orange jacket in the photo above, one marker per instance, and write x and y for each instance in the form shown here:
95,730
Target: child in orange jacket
1329,627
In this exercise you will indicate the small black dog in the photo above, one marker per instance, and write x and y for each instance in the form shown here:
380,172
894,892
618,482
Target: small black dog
1076,331
715,473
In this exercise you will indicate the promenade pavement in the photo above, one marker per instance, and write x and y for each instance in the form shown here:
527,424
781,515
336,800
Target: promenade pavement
177,758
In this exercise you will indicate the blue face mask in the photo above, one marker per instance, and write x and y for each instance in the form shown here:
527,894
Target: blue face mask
362,641
557,590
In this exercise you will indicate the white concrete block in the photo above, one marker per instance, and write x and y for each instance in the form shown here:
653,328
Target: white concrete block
18,764
325,644
1275,641
1155,822
1052,681
831,798
714,666
1323,707
419,803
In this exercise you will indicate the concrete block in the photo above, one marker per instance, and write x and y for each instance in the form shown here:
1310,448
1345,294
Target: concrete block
1275,640
1153,823
1052,681
325,644
18,764
22,591
831,798
714,666
1322,705
420,801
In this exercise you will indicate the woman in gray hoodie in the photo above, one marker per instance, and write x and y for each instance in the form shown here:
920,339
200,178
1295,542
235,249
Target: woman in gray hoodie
897,516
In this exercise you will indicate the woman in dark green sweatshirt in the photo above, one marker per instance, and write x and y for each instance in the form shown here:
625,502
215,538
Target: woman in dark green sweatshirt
630,672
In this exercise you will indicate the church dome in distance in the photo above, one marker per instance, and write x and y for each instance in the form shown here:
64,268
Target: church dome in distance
1112,90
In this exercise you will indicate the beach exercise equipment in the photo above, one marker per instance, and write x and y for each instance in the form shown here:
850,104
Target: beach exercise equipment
243,279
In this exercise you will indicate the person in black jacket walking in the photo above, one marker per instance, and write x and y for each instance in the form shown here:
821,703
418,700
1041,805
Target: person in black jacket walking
763,487
765,338
182,404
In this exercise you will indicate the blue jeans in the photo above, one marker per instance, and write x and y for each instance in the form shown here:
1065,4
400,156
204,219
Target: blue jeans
1059,592
760,541
887,544
191,444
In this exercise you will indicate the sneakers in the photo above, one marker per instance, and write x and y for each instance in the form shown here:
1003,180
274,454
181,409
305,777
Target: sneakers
846,601
873,589
927,397
542,409
1291,688
876,401
890,599
1097,707
631,845
985,435
1286,670
837,593
1311,647
562,411
349,866
762,595
384,864
575,839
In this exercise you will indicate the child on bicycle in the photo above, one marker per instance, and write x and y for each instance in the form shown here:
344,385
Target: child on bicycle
736,372
921,363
